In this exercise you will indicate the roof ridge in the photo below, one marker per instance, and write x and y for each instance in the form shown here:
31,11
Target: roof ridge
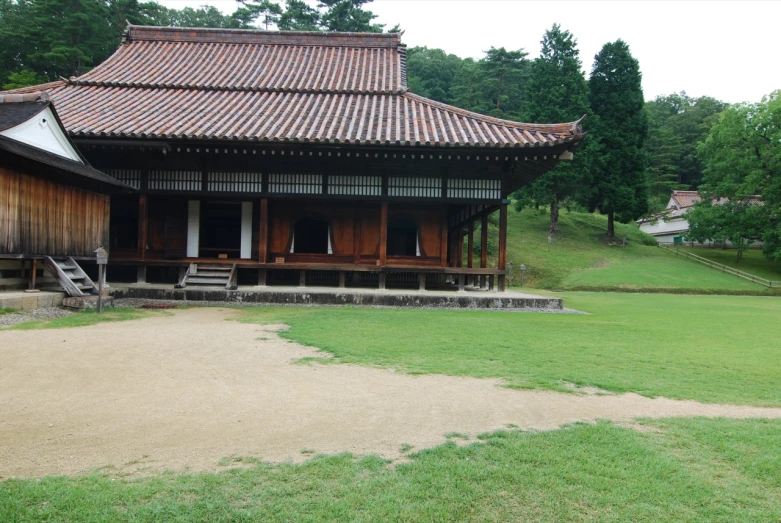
134,33
34,96
256,89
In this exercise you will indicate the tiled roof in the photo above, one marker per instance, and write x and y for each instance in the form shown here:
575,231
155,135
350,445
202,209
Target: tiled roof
18,108
682,199
271,86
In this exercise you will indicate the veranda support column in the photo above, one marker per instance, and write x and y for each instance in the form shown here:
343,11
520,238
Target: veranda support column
263,232
502,245
460,247
142,226
384,234
483,247
245,251
470,249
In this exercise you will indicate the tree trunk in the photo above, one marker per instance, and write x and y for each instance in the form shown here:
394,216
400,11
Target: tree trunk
554,216
611,229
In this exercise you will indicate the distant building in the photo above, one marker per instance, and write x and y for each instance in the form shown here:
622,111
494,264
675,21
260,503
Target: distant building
671,223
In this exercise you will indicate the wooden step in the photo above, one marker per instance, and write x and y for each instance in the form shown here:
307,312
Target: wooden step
210,273
213,268
195,280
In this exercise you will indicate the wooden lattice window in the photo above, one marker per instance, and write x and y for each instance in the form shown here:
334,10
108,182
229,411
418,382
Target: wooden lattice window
235,182
175,180
474,189
296,183
132,177
355,185
415,187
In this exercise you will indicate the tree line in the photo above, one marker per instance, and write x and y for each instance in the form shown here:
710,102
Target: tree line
635,154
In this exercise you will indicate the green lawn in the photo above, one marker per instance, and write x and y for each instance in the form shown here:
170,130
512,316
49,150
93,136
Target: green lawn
579,258
722,349
683,470
753,261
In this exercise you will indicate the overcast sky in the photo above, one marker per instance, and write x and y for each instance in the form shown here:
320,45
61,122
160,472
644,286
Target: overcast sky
727,49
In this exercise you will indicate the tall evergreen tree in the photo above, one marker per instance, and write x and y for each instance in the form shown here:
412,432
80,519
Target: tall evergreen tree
556,92
502,75
432,73
616,182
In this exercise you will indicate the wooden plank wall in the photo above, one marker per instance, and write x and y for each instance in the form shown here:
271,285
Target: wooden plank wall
41,217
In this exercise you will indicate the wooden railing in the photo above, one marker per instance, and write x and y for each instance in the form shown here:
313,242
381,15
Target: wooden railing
723,268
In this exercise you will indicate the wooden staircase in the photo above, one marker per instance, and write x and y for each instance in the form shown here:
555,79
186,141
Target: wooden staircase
203,275
70,276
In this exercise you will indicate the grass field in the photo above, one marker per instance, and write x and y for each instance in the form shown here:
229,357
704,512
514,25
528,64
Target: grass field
753,261
579,258
682,470
721,349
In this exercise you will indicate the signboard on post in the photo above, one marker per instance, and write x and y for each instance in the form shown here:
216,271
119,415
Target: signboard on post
101,257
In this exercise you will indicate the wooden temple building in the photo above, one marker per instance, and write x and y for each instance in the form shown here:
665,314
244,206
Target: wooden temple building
263,157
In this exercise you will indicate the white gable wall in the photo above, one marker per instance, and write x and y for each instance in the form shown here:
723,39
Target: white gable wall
43,131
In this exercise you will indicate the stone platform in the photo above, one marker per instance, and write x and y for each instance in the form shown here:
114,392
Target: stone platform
279,295
21,300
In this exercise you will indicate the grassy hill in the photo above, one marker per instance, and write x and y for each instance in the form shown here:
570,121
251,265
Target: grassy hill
579,258
753,261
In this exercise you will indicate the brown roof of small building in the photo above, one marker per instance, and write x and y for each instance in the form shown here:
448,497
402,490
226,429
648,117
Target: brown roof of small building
683,199
272,86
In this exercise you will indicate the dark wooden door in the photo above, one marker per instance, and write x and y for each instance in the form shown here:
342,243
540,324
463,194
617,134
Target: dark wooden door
175,229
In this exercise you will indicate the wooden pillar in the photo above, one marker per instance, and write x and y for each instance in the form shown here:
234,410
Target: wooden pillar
141,274
502,245
483,247
384,234
33,270
357,235
470,248
460,247
422,281
444,232
461,281
263,233
342,279
302,278
142,227
381,278
262,278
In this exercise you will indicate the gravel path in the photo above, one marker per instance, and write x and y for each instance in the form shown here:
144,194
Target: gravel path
184,389
45,313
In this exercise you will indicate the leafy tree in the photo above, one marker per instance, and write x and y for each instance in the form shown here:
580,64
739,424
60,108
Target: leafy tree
23,78
502,74
348,15
742,155
615,178
432,73
556,92
677,123
740,222
299,16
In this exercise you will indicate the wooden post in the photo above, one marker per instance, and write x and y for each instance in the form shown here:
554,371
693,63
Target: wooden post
483,247
444,233
33,270
470,248
262,277
382,281
263,233
470,240
141,274
384,234
142,226
342,278
461,281
422,281
460,247
302,278
502,245
101,268
357,235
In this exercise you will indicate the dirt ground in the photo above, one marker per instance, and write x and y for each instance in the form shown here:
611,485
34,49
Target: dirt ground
183,391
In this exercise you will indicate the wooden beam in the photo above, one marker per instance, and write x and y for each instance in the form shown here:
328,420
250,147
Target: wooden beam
142,225
502,245
384,234
357,235
263,231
